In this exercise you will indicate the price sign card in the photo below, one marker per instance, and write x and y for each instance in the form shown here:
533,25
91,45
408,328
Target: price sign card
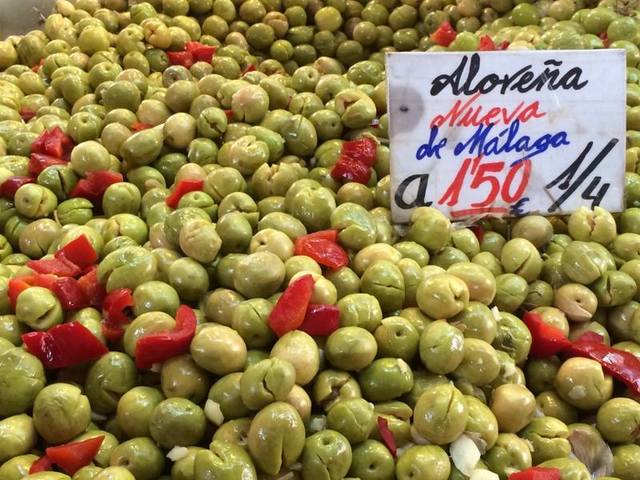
506,133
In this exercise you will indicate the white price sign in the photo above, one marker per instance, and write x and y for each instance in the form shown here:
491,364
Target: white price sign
506,133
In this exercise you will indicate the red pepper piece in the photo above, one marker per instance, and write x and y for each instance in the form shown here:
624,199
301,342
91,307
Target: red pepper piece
536,473
79,251
92,188
387,435
503,46
116,310
478,231
621,365
91,287
331,235
69,293
41,280
444,35
183,58
203,53
321,320
64,345
43,464
326,252
138,126
182,188
546,340
16,287
27,114
37,66
39,161
10,186
229,114
486,44
54,143
362,150
55,266
347,171
158,347
250,68
71,457
291,308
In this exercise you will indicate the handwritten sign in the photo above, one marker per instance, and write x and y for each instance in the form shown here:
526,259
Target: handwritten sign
506,133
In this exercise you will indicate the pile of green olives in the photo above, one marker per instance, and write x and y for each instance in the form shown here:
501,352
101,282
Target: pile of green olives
431,341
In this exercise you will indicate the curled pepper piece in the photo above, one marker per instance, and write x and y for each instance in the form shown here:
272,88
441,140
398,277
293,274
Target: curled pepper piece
321,320
43,464
546,340
55,266
93,290
116,310
94,185
64,345
346,170
69,293
621,365
71,457
182,188
290,309
54,143
387,435
10,186
444,35
78,251
158,347
39,161
361,150
536,473
325,251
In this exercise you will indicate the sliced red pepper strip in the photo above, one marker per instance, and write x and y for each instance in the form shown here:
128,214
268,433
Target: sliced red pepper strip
94,185
39,161
387,435
158,347
321,320
10,186
486,44
503,46
331,235
93,290
201,53
70,295
27,114
116,310
55,266
16,287
621,365
444,35
139,126
54,143
546,340
183,58
182,188
43,464
41,280
229,114
71,457
536,473
78,251
326,252
478,231
249,68
64,345
362,150
291,308
347,171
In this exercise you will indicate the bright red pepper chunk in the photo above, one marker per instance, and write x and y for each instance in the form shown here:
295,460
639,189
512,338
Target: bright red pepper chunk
117,310
39,161
71,457
331,235
43,464
387,435
94,185
362,150
201,52
347,171
536,473
158,347
321,320
546,340
182,188
54,143
10,186
290,309
70,295
64,345
93,290
27,114
55,266
16,287
478,231
324,251
78,251
138,126
444,35
486,44
621,365
183,58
